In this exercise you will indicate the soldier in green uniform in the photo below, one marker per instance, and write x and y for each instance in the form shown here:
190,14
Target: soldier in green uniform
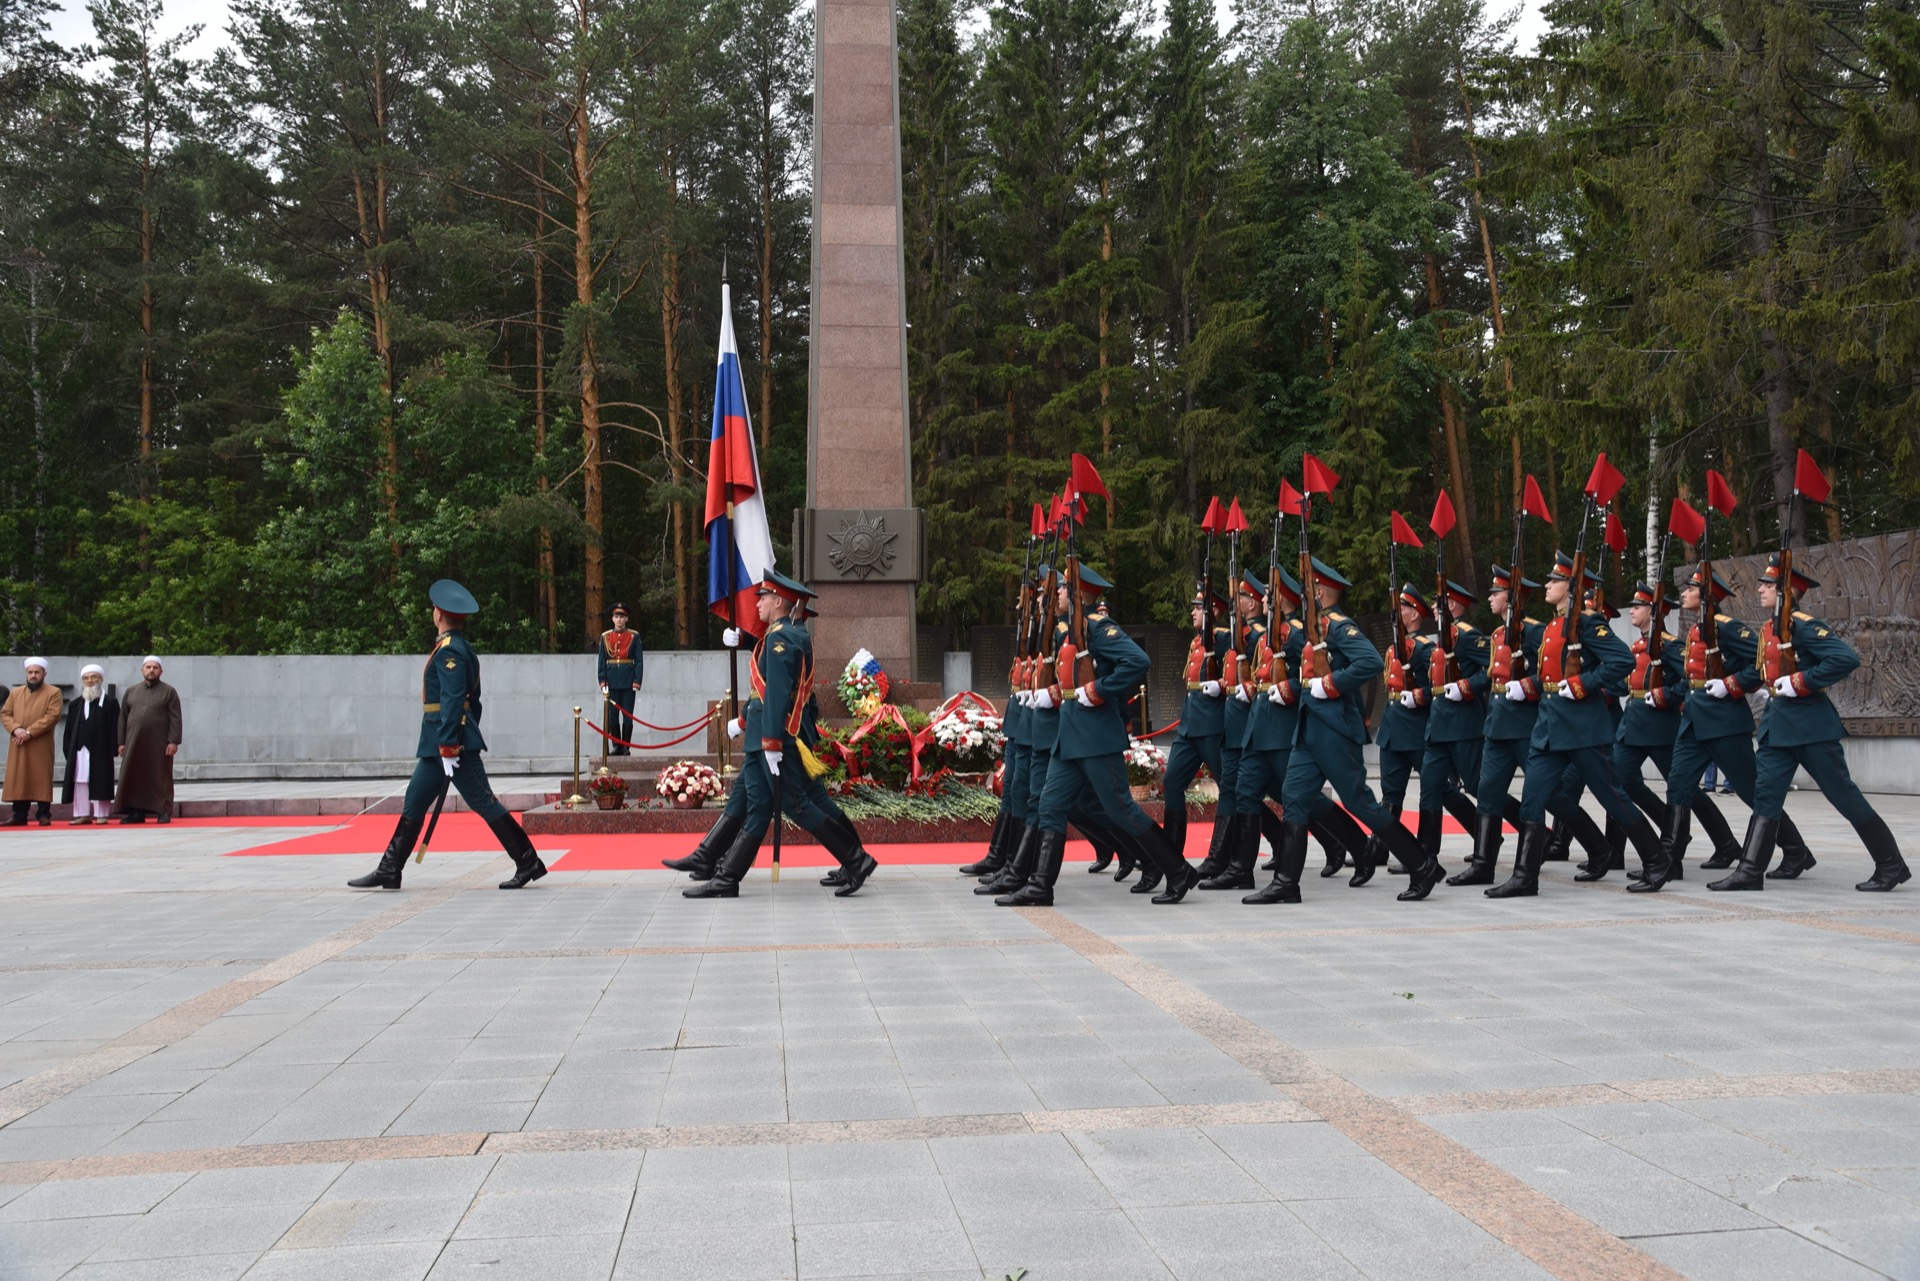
773,778
621,667
1580,662
1088,772
1513,707
448,753
1402,740
1716,726
1203,723
1456,728
1801,728
1327,742
1009,825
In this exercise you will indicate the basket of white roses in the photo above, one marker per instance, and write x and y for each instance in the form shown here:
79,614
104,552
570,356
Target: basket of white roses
1146,766
689,784
968,739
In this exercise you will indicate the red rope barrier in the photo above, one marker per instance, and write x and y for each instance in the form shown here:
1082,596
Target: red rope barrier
664,729
1164,729
651,747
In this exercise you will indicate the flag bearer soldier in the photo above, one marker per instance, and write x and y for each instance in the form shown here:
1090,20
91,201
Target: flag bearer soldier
1202,728
621,667
773,779
1650,723
1327,742
1456,728
1272,726
448,751
1581,660
1802,728
1716,726
1513,708
1088,771
1402,742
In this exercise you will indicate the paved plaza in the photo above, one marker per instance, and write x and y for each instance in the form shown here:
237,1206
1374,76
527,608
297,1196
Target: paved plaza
219,1067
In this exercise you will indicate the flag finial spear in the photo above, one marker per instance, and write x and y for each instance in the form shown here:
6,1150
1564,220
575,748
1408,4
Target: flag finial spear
723,266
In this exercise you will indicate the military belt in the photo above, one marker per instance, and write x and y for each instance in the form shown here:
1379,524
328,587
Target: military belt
434,707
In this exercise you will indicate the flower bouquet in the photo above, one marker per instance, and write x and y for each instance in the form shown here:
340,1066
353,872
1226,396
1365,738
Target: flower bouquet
968,740
1146,765
863,684
608,789
689,784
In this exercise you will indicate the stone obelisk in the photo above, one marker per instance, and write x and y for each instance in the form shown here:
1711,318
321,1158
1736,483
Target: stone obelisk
859,538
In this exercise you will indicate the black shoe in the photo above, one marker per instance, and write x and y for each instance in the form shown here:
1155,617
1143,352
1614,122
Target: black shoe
1102,859
1000,844
1889,869
856,872
712,888
1762,833
1529,855
835,877
1488,833
163,820
1290,861
131,816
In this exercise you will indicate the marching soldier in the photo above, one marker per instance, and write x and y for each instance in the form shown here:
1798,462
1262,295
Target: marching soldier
1580,661
448,753
1327,743
1716,725
1402,741
1010,823
1513,708
1202,728
1456,728
1801,728
621,666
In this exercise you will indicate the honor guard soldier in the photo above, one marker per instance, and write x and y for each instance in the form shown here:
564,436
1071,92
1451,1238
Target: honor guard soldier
1801,728
1402,739
1088,771
621,667
1513,708
448,752
773,778
1203,724
1580,661
1456,727
1327,742
1716,725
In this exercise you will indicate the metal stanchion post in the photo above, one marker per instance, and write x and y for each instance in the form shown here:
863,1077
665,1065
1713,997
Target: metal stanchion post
576,800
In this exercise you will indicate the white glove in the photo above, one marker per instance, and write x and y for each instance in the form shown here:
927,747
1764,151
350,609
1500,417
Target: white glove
1718,688
736,727
1783,688
1649,699
1211,689
1240,692
1318,687
731,638
772,760
1273,695
448,763
603,687
1407,700
1084,696
1516,692
1040,699
1456,692
1567,690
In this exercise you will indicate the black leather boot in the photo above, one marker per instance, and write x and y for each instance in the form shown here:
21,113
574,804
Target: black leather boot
998,845
1337,858
1423,869
387,875
527,867
1792,863
1663,824
1150,870
1530,854
1236,872
1595,869
1175,828
1289,861
1018,868
1488,832
1793,847
1429,836
1889,869
842,840
1464,811
1369,853
1762,833
731,867
1102,854
1049,852
1559,841
1678,834
1587,834
1655,870
1726,847
699,865
1153,851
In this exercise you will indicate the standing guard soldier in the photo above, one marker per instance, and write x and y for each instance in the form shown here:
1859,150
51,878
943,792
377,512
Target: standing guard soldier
1580,662
1456,728
1327,742
448,752
1513,708
622,663
1716,725
1201,732
1802,728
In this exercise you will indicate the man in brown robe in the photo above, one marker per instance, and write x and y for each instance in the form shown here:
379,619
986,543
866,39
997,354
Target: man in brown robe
149,736
29,716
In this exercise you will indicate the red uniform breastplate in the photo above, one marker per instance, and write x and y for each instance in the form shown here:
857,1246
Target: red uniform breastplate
619,645
1770,654
1500,669
1196,662
1638,681
1696,655
1396,672
1553,650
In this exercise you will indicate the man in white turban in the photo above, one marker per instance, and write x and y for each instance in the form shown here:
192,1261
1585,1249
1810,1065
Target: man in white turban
149,736
28,717
91,740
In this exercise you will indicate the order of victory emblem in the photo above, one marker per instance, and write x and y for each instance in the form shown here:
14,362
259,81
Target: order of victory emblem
862,547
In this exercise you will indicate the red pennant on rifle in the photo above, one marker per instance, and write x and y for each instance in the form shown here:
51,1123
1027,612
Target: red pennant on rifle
1616,534
1289,499
1056,511
1605,481
1720,494
1317,476
1086,480
1236,519
1809,479
1686,524
1533,502
1215,519
1405,534
1039,521
1442,522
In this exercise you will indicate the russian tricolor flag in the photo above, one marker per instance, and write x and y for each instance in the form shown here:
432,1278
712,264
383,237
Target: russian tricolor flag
739,540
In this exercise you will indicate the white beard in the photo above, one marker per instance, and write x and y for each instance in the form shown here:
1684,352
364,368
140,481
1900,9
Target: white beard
92,693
